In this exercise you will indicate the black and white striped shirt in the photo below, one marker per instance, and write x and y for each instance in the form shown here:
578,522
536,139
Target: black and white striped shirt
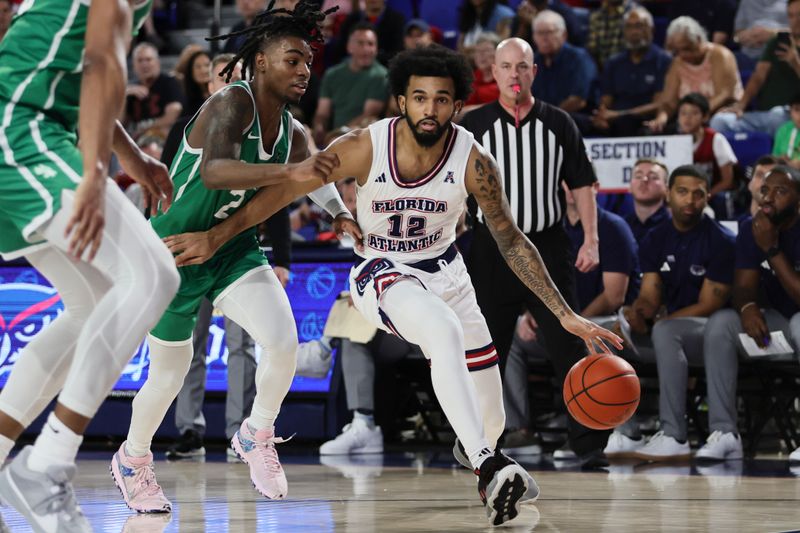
534,159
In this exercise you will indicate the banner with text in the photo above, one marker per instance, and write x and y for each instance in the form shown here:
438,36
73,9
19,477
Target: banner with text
613,159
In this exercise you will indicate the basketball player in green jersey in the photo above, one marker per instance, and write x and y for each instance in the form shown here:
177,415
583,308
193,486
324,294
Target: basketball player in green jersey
239,141
62,69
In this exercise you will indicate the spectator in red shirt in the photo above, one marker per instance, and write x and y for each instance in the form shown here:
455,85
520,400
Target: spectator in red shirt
484,86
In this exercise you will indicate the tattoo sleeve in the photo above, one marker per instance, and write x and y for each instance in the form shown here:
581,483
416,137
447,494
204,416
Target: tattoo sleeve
519,252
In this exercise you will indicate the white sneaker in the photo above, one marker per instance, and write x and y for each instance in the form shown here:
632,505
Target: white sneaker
564,453
662,447
621,446
794,457
720,447
356,437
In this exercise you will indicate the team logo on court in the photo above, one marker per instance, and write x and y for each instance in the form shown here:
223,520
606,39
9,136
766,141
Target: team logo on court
25,309
449,177
321,283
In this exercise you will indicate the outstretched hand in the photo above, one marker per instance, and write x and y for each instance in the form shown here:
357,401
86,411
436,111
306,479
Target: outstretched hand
192,248
345,224
593,335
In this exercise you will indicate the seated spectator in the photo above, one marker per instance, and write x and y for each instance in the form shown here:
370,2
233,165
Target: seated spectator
787,138
766,298
699,67
602,291
649,192
484,86
6,13
715,16
564,72
354,92
757,21
763,166
605,29
712,151
632,80
359,362
480,16
773,84
247,9
521,24
155,100
687,265
195,82
416,33
388,25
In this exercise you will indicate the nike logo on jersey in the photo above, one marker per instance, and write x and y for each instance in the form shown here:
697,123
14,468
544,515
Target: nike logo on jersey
251,136
381,178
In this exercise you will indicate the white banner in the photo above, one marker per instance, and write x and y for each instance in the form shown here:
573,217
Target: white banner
613,158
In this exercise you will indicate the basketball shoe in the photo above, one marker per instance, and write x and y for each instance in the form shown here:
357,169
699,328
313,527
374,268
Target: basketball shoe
356,437
189,445
622,446
46,500
721,447
501,485
661,447
136,481
532,491
257,450
794,457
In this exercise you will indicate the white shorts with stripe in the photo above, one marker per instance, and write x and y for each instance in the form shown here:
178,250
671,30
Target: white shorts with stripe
448,280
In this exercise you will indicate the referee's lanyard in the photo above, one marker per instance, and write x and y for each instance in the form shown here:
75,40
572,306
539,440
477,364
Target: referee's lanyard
515,111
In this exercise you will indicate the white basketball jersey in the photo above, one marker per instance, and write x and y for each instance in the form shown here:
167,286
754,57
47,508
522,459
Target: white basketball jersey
412,221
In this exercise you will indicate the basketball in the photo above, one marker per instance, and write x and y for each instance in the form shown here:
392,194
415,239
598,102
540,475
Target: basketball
601,391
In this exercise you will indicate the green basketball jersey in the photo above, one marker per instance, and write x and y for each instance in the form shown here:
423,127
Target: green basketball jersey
196,208
41,56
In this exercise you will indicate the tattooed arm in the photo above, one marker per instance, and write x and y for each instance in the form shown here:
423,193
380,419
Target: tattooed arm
483,182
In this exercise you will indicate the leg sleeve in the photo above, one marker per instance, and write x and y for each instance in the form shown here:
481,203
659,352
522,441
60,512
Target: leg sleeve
189,403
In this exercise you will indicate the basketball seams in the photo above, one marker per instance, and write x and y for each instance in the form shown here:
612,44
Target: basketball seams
584,410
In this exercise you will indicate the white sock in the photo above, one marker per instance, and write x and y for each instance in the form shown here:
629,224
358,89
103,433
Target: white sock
261,418
253,428
369,420
56,444
134,450
6,445
479,457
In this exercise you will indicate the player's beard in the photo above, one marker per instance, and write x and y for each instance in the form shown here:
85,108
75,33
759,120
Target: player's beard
779,217
424,138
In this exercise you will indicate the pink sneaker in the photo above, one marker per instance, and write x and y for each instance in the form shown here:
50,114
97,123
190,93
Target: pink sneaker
136,481
258,452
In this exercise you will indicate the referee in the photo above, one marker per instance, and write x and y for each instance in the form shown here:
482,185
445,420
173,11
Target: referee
538,149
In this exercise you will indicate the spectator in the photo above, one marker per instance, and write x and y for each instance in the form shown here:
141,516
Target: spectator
6,14
416,33
215,83
687,264
388,25
521,24
484,86
632,80
480,16
151,146
699,67
605,29
354,92
196,81
564,73
715,16
182,64
649,192
247,9
774,81
601,292
766,298
712,151
155,100
757,21
787,138
763,166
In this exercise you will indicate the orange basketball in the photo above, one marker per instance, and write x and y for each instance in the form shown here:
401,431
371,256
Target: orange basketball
601,391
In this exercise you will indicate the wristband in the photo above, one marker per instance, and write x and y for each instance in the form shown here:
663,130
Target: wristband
745,306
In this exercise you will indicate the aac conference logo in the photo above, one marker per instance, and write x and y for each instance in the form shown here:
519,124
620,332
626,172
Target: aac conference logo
25,309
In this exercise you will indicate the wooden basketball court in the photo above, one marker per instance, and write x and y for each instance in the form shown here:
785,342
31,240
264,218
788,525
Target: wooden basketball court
428,492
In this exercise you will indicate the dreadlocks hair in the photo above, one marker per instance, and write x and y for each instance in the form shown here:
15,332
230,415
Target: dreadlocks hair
303,22
432,60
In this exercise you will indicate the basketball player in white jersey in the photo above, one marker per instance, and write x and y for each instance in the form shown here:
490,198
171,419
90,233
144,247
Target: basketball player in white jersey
414,174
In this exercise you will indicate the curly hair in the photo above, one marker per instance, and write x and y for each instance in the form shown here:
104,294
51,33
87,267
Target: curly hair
304,22
432,60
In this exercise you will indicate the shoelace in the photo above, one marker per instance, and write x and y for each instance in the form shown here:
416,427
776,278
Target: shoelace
714,437
269,455
656,436
146,477
61,499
